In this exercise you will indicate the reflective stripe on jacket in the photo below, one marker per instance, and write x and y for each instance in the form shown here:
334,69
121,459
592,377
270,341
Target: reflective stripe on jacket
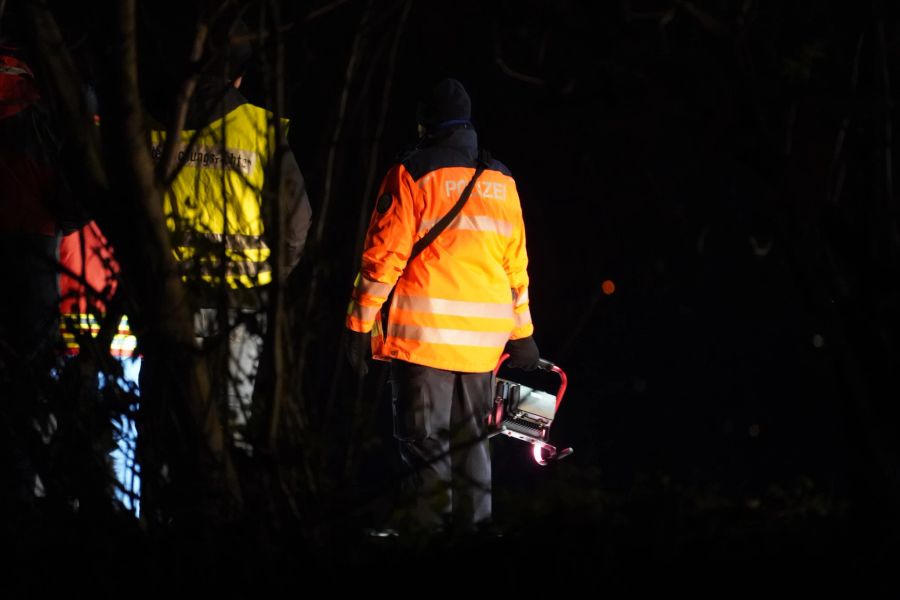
457,304
75,328
213,207
88,279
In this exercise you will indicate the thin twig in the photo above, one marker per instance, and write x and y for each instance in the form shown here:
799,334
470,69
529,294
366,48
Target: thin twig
888,118
370,184
174,321
315,14
837,168
61,71
706,20
166,165
349,76
505,69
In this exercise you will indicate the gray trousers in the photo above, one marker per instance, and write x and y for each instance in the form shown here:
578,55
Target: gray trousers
439,422
238,367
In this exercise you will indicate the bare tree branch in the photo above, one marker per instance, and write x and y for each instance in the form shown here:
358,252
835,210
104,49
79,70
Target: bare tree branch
166,166
175,326
837,170
61,71
706,20
505,69
368,192
349,77
631,15
325,9
888,112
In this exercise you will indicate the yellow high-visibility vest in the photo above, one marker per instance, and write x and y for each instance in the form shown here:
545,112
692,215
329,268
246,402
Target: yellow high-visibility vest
214,206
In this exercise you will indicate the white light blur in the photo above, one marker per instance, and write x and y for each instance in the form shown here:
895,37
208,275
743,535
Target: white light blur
536,449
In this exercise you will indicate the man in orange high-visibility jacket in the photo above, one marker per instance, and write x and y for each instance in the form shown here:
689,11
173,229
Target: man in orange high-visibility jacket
455,307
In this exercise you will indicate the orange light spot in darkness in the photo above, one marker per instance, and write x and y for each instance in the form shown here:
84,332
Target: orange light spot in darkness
608,287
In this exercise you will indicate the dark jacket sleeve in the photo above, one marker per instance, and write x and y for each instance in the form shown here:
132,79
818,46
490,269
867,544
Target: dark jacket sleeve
299,212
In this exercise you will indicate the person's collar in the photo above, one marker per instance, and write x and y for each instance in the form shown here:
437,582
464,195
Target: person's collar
208,107
454,123
460,136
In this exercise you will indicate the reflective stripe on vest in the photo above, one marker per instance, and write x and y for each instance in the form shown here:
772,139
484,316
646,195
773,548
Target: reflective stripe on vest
363,315
472,223
454,337
523,318
456,308
74,325
520,299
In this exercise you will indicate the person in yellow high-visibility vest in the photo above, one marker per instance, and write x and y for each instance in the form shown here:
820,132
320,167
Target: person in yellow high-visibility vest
455,307
215,210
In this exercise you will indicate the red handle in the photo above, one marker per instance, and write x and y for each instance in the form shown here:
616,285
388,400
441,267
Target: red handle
563,382
546,365
503,357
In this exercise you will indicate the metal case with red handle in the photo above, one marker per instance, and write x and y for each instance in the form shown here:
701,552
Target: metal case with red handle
526,413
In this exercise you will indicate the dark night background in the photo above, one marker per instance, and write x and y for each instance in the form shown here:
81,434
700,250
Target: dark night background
727,164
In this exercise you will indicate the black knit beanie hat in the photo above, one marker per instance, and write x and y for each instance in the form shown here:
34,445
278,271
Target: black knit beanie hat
446,103
228,50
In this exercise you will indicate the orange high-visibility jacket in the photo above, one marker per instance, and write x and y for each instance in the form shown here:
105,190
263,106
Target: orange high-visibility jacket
456,304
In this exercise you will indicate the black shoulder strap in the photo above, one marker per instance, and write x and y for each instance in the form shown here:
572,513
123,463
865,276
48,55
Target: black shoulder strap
484,160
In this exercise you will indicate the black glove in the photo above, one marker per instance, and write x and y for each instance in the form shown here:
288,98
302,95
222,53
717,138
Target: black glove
356,349
523,354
